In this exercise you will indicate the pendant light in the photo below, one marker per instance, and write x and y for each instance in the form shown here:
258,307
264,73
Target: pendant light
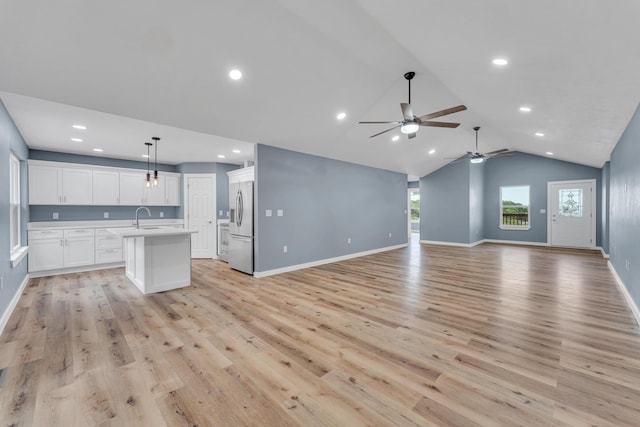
155,159
148,180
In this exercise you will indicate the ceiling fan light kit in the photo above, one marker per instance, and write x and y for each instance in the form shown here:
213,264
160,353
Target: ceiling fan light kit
478,157
411,123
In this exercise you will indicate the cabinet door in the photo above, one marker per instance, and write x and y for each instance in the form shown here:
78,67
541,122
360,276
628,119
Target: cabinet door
77,188
78,251
46,254
106,188
154,195
172,190
132,188
45,185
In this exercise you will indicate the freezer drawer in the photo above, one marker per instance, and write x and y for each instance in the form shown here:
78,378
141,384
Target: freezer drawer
241,253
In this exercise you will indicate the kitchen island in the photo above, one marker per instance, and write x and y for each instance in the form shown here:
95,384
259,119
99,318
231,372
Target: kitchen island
157,259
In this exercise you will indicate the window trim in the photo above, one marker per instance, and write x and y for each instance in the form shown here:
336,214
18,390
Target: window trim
16,250
528,206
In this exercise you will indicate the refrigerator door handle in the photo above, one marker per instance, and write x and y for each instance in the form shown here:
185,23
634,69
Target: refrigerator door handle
240,208
237,207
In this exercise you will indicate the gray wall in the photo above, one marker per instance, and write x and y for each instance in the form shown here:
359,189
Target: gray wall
535,171
325,201
476,201
11,141
444,204
95,213
624,202
222,183
604,214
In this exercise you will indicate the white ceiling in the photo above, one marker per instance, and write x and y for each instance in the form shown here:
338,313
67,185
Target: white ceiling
162,67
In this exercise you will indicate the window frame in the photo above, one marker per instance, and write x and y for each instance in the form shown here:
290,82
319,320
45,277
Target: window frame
502,206
16,250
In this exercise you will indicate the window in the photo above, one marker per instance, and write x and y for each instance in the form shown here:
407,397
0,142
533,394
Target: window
414,202
17,250
514,207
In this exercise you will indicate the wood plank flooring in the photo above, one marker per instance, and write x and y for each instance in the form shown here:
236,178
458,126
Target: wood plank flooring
427,335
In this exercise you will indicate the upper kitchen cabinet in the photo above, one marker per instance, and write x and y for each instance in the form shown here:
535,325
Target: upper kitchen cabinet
172,190
154,194
132,188
53,185
106,187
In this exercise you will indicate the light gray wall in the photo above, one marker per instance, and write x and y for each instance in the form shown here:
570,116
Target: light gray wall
604,214
624,201
444,204
535,171
324,201
476,202
11,141
94,213
222,183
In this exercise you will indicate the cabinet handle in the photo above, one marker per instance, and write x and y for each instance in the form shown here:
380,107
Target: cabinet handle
61,242
64,199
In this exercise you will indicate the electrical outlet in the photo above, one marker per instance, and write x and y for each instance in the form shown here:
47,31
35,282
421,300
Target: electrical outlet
106,215
220,213
284,249
280,212
161,214
268,212
389,234
349,240
1,283
55,215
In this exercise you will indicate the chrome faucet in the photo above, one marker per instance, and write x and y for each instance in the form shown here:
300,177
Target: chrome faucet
138,212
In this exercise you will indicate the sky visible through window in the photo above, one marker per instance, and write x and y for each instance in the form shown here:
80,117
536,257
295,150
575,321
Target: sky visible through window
518,195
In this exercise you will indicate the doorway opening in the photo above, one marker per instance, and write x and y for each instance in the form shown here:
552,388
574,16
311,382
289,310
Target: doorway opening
413,211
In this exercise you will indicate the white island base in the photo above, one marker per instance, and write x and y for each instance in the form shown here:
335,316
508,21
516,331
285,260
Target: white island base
157,260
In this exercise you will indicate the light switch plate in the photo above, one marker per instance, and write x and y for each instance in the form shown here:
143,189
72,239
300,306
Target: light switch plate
267,212
280,212
106,215
55,215
543,211
161,214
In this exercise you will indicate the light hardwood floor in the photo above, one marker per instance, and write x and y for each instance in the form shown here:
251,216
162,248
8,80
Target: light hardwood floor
427,335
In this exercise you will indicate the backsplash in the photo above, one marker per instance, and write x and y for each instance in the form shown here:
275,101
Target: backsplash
40,213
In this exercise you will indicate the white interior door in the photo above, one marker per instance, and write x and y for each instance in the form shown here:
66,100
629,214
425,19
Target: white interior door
572,219
200,213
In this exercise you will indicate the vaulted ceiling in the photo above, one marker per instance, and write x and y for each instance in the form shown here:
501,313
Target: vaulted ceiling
132,70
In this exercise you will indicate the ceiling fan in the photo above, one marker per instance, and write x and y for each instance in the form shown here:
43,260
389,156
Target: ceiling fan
411,123
478,157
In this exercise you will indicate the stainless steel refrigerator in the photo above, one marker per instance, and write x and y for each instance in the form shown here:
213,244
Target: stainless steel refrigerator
241,226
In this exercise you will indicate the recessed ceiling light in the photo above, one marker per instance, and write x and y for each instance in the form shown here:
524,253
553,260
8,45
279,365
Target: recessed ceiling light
525,109
235,74
341,116
79,127
146,156
221,156
236,151
76,139
539,134
99,150
432,151
549,153
500,61
395,138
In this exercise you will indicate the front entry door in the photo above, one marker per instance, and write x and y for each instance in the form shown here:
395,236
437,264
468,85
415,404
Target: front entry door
200,212
572,213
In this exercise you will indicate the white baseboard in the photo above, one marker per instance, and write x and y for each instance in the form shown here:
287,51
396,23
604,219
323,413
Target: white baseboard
287,269
460,245
44,273
515,242
479,242
12,305
604,254
630,302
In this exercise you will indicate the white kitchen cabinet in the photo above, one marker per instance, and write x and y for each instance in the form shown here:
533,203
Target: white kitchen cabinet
45,185
108,247
106,187
154,195
78,247
46,250
132,188
77,188
172,190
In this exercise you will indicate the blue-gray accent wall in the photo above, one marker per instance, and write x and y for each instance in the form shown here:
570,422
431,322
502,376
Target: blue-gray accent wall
605,212
95,213
534,171
624,203
325,202
448,215
222,183
11,142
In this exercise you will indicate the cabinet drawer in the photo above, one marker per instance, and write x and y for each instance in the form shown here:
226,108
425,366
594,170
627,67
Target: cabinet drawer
103,232
108,255
45,234
80,232
107,242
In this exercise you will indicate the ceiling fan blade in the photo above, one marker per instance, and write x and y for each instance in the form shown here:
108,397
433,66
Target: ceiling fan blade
440,124
502,150
497,156
407,111
369,123
411,135
442,112
385,131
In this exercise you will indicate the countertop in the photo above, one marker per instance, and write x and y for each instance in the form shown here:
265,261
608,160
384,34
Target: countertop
149,231
63,225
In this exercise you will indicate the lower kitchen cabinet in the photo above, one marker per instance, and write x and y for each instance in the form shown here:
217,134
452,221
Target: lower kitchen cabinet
54,249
